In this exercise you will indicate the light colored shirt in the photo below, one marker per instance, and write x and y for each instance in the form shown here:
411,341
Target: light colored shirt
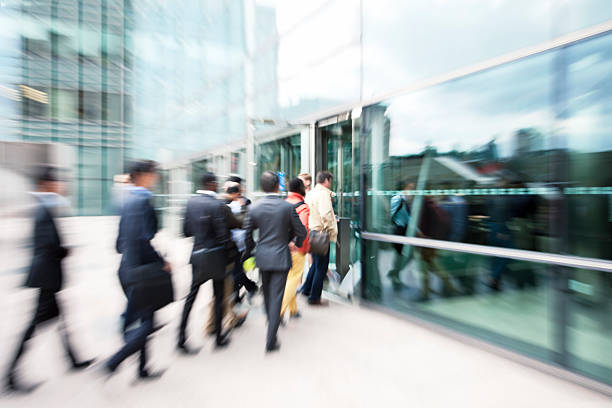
322,217
400,214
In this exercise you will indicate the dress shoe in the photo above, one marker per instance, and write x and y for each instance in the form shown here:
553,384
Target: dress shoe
320,302
252,294
187,351
146,375
295,315
82,364
13,386
273,348
222,341
241,320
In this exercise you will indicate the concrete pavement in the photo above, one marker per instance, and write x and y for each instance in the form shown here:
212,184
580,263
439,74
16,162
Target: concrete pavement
340,356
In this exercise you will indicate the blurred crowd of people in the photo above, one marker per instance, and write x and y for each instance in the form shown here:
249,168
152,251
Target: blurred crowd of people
222,223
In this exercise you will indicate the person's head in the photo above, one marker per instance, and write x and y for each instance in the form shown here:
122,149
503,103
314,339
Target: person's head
296,185
325,178
237,179
143,173
307,179
405,185
269,182
232,191
209,181
48,181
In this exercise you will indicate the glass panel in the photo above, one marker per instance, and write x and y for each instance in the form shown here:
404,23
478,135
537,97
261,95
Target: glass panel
444,287
587,124
67,102
590,323
198,168
282,155
466,161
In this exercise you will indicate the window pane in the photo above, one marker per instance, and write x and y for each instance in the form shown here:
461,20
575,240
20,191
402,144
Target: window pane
445,287
466,161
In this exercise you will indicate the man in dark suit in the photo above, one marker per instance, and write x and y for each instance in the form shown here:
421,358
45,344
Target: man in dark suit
278,225
46,273
137,227
206,221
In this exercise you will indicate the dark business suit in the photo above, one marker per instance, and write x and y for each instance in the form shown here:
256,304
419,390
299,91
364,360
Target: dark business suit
46,275
278,225
206,221
137,227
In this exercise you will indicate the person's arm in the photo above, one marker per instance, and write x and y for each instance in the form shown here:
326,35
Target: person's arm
234,220
150,229
298,229
249,226
187,230
220,223
328,218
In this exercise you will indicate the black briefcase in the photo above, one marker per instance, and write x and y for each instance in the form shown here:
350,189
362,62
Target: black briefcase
208,263
149,287
319,242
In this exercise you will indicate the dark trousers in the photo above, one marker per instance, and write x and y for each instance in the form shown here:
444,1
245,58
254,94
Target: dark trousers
240,278
47,309
316,275
136,329
273,290
135,335
218,292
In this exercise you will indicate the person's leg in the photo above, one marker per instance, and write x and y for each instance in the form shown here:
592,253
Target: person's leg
276,290
265,279
219,286
189,301
321,263
293,280
142,360
307,286
135,340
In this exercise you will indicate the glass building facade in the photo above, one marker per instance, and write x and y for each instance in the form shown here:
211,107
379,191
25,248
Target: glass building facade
470,141
470,146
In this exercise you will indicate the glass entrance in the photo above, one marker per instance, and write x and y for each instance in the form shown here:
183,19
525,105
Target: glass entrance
338,153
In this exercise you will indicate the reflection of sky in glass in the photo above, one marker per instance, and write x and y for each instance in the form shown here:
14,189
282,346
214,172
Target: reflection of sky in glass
468,113
589,116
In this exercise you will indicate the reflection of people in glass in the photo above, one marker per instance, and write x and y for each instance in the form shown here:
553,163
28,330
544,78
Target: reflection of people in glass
434,223
456,207
400,218
501,211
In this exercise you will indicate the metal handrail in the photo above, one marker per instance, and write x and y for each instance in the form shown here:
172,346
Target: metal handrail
518,254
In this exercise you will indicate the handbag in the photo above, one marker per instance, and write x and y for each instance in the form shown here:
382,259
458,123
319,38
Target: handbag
149,287
208,263
319,242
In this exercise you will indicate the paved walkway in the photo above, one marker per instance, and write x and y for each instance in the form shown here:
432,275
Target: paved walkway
341,356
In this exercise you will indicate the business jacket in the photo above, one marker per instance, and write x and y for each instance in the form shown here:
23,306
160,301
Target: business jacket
322,217
206,220
137,227
46,267
278,224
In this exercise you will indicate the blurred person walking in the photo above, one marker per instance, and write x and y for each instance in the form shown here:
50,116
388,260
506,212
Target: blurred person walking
400,218
239,205
323,220
206,221
137,227
296,195
46,272
278,225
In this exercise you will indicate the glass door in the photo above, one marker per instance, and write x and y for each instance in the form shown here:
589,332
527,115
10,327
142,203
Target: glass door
337,153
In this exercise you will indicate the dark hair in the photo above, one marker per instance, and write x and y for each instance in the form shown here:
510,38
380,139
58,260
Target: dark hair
46,173
235,179
269,182
403,183
208,178
233,189
323,176
141,167
296,185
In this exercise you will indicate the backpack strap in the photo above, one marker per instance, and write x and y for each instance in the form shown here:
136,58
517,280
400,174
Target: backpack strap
298,205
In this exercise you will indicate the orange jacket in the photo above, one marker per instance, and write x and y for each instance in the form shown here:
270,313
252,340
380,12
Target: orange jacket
303,211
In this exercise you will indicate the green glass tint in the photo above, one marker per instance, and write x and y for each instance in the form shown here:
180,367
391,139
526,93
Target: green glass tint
282,155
